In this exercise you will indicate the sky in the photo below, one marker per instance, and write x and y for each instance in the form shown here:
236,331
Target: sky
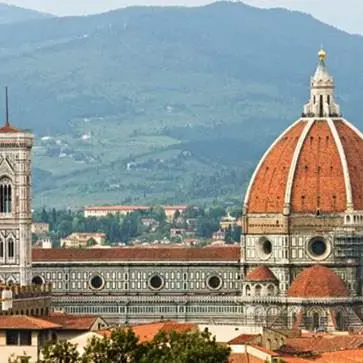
344,14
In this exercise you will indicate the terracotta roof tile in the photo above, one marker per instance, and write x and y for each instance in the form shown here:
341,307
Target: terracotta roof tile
347,356
243,339
132,207
322,344
146,332
244,358
230,253
268,189
72,322
7,128
353,148
318,180
317,281
26,322
261,273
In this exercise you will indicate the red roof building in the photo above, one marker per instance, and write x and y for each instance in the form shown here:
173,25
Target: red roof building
261,273
317,281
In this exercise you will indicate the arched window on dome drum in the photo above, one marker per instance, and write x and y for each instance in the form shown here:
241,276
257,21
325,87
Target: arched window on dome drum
248,290
258,290
270,290
11,248
5,195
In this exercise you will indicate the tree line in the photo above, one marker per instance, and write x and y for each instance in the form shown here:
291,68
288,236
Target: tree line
123,346
203,221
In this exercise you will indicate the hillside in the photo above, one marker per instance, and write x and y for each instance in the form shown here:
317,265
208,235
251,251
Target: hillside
13,14
165,104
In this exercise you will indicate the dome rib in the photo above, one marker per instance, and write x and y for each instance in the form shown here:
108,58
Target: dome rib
273,180
343,160
295,159
317,282
352,142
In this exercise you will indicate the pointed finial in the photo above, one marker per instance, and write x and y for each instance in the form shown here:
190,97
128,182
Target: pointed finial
6,107
322,54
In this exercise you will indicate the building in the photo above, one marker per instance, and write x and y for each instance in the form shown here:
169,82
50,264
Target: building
15,205
228,222
72,326
25,336
103,211
299,263
77,240
40,228
303,219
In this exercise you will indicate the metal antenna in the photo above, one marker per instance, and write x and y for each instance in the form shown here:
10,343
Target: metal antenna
6,107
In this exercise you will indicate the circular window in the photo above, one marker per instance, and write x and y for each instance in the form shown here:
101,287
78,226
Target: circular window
156,282
264,248
96,282
318,248
214,282
37,280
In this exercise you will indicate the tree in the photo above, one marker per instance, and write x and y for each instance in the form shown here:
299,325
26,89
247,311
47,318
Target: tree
123,346
206,227
44,216
185,347
91,242
61,352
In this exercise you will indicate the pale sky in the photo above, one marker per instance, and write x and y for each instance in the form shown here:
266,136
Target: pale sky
344,14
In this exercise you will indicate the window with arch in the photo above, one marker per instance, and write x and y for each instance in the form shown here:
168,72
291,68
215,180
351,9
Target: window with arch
1,249
258,290
5,195
11,248
248,290
270,290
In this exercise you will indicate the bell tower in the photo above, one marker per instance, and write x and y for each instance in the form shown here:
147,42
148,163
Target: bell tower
15,203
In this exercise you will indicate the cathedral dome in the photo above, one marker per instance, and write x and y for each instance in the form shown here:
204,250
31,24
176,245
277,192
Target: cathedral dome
315,165
317,281
261,273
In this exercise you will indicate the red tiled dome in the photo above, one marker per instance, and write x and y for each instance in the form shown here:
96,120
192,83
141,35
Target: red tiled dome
261,273
316,164
317,281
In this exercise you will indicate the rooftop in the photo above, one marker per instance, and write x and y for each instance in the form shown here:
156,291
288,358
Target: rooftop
26,322
131,207
72,322
322,344
328,283
230,253
261,273
146,332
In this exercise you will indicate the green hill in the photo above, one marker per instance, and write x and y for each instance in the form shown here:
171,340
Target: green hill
173,104
13,14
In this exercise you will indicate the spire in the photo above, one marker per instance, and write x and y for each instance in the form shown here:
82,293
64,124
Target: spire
7,127
6,107
322,97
